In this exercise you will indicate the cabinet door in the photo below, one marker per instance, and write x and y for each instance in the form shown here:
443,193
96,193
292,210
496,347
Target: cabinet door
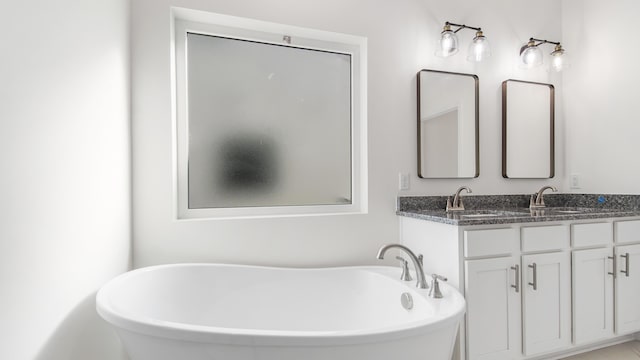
592,295
628,289
492,291
546,302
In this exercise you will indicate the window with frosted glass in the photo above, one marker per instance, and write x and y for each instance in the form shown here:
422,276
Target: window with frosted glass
268,124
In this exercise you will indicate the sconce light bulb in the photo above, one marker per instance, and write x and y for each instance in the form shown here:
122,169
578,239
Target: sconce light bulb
530,55
559,59
530,58
448,42
479,48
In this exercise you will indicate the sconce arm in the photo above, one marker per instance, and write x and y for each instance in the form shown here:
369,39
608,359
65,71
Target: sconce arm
540,42
462,26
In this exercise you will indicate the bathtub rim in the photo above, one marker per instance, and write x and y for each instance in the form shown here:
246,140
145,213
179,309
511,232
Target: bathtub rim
232,336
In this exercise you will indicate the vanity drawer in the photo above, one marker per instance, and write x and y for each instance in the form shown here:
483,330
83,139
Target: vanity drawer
627,231
591,234
541,238
490,242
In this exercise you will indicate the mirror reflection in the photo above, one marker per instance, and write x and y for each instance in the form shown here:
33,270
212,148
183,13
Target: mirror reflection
447,125
527,130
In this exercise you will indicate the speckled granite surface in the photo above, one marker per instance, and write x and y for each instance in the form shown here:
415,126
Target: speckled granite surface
506,209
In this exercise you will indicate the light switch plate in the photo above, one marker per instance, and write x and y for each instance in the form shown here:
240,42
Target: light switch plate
403,181
575,181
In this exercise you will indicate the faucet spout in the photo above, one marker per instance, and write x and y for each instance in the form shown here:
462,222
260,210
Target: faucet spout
417,263
538,201
457,205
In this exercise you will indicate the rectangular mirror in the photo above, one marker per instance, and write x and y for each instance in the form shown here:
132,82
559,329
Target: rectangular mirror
527,130
448,139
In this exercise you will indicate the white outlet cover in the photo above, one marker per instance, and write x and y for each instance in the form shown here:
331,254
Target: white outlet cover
403,181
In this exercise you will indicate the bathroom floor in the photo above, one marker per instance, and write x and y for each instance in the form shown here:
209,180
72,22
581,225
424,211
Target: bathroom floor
626,351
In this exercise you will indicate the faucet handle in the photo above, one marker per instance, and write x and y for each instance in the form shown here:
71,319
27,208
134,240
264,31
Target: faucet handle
536,202
449,204
438,277
435,286
406,276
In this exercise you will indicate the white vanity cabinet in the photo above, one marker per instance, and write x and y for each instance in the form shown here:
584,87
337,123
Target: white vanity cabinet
628,289
592,279
492,290
535,290
600,273
627,286
512,297
546,288
493,308
546,302
592,282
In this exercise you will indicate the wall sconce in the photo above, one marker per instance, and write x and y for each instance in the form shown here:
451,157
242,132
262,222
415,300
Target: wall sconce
531,56
448,44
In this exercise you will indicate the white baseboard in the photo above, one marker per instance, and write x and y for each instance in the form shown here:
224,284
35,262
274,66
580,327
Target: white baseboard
587,348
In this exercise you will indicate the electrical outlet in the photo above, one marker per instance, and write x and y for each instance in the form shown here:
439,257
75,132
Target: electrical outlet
575,181
403,181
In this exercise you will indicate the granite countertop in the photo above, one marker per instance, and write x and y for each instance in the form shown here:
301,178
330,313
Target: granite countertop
508,209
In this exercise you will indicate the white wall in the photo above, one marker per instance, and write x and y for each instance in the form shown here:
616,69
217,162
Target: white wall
64,149
602,95
65,188
401,40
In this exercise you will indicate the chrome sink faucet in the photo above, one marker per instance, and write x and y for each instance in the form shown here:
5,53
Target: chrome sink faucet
457,205
537,199
417,262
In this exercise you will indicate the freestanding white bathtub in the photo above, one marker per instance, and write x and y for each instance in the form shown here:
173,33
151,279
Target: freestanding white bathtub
232,312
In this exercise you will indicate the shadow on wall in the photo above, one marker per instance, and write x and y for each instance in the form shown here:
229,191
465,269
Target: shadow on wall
83,335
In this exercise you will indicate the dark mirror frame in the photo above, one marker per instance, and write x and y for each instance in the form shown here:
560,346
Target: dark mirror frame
551,125
477,126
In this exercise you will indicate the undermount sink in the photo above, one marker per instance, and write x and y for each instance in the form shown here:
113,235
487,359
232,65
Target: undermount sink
576,210
486,213
558,211
478,215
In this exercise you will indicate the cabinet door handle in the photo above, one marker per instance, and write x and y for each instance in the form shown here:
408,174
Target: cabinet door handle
534,266
516,268
626,264
615,266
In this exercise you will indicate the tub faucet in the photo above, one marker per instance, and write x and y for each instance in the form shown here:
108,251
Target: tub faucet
417,262
405,276
537,200
435,286
457,205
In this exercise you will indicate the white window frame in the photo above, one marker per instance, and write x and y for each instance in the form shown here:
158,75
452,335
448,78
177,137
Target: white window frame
195,21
